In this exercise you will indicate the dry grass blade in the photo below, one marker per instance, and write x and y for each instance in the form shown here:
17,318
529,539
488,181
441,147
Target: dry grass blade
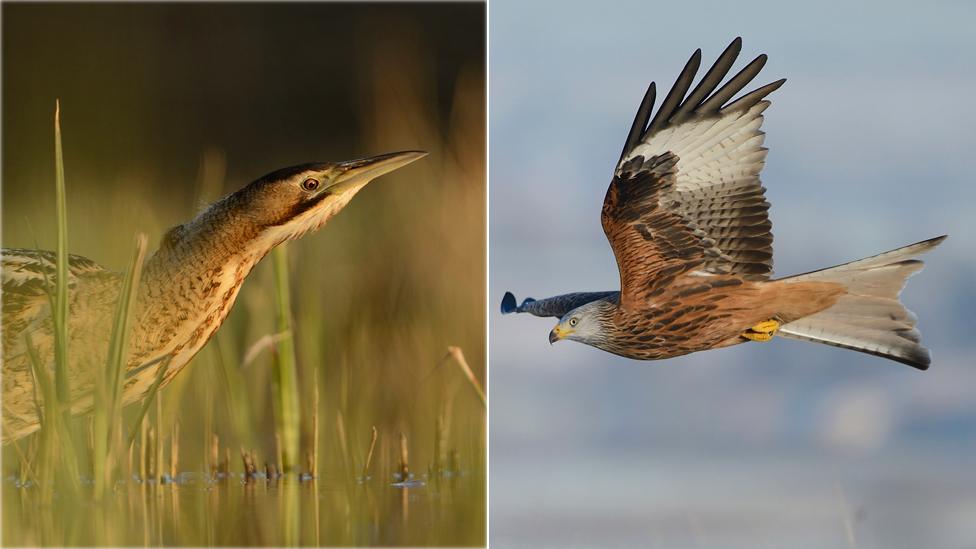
174,451
152,444
213,461
404,459
343,443
267,341
143,425
369,454
458,356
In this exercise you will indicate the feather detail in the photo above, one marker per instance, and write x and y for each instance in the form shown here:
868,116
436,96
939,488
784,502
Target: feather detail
716,193
869,317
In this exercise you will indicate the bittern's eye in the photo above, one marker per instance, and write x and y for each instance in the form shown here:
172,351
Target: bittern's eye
310,184
573,321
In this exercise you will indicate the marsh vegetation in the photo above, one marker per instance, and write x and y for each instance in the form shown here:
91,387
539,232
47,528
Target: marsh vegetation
328,409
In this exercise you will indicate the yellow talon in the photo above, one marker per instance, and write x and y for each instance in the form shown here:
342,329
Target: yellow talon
764,331
766,326
761,337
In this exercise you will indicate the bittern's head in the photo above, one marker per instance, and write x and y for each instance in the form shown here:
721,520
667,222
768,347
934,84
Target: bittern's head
287,203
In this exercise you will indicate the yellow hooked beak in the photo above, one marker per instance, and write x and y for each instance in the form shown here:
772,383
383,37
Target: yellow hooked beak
364,170
558,333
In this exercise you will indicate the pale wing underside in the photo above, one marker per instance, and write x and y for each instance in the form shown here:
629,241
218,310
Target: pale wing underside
716,191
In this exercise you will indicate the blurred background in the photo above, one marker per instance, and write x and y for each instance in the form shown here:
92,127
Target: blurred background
785,444
167,107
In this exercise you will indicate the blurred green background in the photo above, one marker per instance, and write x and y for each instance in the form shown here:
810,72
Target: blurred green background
166,107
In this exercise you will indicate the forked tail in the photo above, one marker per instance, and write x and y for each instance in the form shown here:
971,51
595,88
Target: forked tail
869,318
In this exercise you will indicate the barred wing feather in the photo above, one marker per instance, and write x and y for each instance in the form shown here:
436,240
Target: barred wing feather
716,194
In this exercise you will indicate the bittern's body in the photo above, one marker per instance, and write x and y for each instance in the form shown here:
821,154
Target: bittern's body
188,286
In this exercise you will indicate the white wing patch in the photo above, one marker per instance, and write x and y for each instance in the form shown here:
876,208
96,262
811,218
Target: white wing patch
714,151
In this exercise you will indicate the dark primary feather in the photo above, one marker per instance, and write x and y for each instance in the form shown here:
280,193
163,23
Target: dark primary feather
733,86
677,93
677,108
710,81
753,97
640,121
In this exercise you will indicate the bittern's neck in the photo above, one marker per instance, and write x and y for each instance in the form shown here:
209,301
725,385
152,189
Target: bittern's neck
226,232
192,280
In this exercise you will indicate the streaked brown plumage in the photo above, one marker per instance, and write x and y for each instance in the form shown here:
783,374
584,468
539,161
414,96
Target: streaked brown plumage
686,217
188,285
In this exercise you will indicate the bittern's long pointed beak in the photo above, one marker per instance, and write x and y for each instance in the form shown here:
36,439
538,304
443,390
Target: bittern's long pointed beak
365,170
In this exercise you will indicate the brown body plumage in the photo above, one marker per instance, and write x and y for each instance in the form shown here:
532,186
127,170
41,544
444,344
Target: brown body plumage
686,217
696,313
188,285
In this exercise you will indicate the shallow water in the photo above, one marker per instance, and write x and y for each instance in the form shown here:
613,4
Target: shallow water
439,510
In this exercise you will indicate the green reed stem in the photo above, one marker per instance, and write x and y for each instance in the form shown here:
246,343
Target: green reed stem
150,396
55,437
235,386
61,282
50,406
108,401
56,395
288,416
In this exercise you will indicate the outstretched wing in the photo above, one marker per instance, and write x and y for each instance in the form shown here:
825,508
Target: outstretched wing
693,174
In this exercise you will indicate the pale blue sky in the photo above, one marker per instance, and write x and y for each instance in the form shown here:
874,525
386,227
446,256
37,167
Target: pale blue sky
871,145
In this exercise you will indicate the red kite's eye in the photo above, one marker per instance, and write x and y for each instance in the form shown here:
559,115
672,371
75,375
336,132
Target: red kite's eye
310,184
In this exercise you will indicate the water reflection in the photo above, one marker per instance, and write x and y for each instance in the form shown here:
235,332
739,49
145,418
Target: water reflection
196,509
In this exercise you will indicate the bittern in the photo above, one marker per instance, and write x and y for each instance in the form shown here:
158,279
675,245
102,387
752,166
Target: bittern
188,285
687,220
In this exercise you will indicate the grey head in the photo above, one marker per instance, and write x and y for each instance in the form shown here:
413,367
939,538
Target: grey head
587,323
